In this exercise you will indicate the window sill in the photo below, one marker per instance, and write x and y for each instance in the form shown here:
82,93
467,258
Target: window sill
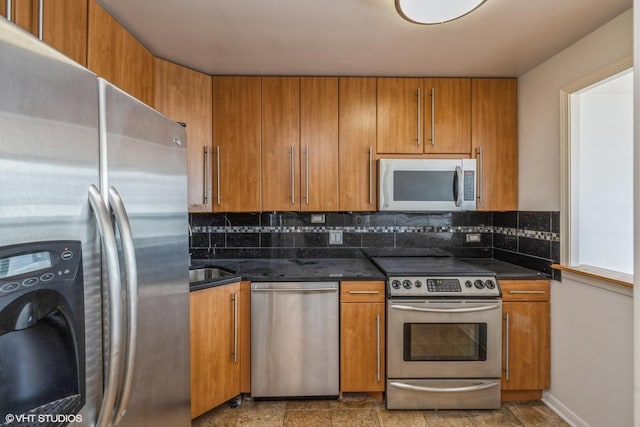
614,279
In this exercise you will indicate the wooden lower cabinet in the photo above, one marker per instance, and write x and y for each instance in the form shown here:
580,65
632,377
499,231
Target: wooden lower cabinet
362,336
526,339
218,336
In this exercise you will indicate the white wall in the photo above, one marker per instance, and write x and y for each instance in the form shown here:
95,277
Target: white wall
539,108
591,328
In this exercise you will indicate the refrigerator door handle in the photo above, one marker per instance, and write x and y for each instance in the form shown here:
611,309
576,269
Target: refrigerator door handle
131,281
113,370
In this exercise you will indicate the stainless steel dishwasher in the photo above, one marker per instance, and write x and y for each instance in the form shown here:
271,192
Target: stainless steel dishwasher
294,339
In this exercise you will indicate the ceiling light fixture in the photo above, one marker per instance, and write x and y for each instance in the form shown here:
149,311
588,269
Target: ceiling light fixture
435,11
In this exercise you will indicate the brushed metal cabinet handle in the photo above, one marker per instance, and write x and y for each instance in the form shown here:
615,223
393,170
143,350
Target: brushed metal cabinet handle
527,292
293,182
205,175
433,116
40,19
480,173
307,174
378,347
419,113
8,9
370,175
234,298
506,347
219,196
364,292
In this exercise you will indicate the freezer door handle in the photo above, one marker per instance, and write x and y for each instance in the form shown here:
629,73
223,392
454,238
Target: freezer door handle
110,250
131,281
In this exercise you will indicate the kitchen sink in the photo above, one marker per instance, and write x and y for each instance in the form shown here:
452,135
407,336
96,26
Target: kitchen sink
208,274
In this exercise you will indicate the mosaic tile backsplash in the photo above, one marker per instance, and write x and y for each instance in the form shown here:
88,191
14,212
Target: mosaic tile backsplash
529,239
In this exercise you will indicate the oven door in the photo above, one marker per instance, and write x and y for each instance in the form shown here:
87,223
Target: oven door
444,339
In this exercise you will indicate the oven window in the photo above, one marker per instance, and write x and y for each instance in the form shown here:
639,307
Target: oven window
420,186
445,342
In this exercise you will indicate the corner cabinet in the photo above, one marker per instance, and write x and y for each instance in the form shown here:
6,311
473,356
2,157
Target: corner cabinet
526,339
362,337
494,139
184,95
114,54
218,338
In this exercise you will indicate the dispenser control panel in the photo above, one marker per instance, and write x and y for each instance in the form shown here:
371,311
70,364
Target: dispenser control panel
35,264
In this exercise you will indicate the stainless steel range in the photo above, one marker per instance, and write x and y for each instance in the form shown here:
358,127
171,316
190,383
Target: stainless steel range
444,334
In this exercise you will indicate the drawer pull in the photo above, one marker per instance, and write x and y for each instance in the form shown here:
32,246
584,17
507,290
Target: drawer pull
364,292
528,292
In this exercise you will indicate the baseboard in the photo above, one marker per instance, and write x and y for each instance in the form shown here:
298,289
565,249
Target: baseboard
563,411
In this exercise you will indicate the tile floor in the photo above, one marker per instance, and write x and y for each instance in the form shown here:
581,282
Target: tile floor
360,410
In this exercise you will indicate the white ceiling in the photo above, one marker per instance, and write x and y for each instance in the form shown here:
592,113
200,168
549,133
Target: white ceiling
358,37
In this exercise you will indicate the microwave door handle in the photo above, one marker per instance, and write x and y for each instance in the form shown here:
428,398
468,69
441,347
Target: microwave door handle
457,186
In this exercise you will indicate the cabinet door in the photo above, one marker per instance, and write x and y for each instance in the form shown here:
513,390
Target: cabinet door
215,367
280,143
362,347
447,118
526,364
399,121
236,139
64,25
357,118
114,54
184,95
494,138
319,143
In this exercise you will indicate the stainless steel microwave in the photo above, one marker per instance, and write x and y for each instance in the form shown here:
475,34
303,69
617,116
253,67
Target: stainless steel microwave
427,184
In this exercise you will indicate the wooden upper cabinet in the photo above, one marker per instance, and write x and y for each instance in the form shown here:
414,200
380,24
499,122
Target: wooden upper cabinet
280,143
184,95
494,139
357,118
64,25
447,118
319,143
237,141
114,54
399,121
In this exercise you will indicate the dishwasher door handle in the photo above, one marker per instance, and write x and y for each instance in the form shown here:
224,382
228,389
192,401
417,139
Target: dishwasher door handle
295,290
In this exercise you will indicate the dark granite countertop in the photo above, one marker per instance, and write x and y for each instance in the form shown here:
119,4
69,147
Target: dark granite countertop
505,270
333,269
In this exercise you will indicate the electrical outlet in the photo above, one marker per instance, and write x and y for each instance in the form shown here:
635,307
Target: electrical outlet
317,218
475,237
335,237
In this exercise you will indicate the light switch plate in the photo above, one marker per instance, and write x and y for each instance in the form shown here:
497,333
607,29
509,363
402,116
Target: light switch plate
335,237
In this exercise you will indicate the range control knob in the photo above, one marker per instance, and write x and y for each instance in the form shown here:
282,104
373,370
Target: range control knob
468,284
406,284
418,284
478,284
395,284
490,284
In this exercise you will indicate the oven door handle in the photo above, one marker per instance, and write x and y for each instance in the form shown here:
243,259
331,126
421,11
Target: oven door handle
477,387
447,310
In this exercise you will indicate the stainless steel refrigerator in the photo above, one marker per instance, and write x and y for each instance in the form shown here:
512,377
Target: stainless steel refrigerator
82,162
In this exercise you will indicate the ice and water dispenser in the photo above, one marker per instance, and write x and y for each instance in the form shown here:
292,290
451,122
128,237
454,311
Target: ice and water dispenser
42,349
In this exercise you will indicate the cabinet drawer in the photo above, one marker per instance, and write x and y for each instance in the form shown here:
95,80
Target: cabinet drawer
372,291
525,290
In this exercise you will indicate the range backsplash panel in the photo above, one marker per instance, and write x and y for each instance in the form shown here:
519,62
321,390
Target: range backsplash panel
529,239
